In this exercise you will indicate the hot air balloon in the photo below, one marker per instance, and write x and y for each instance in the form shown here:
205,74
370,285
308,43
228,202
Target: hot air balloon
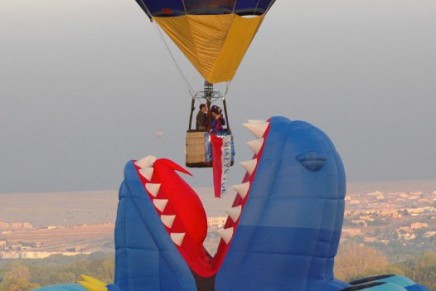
214,36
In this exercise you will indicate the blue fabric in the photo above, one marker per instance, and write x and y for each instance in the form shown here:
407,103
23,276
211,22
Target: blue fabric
417,287
290,227
288,233
404,282
389,283
257,6
385,287
182,7
145,256
66,287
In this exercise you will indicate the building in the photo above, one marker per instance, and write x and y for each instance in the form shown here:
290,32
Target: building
418,225
217,221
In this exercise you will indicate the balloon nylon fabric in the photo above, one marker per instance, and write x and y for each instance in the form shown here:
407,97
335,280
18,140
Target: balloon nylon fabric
217,144
214,44
195,7
222,158
286,238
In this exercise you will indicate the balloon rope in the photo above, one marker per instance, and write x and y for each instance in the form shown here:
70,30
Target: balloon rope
228,84
269,6
255,9
148,11
188,85
184,7
234,6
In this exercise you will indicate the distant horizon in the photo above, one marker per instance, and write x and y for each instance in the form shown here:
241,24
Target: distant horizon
86,88
428,184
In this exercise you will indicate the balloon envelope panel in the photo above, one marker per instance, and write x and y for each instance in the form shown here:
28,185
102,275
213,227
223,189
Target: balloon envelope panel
65,287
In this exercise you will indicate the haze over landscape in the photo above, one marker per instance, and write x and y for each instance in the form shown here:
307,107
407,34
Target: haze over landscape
85,86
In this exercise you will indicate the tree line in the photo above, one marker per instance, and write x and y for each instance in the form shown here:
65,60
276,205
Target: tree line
353,261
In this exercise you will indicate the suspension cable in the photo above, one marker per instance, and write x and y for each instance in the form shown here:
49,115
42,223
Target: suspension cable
184,7
234,6
255,9
228,84
185,80
269,6
188,85
148,11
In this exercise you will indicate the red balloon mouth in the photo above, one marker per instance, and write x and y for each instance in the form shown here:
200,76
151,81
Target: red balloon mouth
182,213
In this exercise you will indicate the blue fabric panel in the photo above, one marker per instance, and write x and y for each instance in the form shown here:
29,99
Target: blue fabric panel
401,281
398,280
325,285
321,269
288,233
112,287
254,5
160,7
385,287
217,6
417,287
145,254
284,240
66,287
167,270
291,225
121,269
266,278
142,269
179,7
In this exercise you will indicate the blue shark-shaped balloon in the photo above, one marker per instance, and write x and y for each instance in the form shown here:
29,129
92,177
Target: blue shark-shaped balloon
282,233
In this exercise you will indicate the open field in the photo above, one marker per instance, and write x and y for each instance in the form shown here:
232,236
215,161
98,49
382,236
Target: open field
85,221
73,208
94,207
83,238
61,209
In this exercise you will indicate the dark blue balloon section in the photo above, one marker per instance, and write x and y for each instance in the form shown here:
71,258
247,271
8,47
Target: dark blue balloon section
212,7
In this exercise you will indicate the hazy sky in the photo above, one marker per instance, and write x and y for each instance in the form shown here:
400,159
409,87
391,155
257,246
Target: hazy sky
85,86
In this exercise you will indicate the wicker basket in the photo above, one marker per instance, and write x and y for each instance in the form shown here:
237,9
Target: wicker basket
195,149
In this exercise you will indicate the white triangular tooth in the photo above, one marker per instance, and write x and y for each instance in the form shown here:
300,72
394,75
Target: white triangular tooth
152,188
255,120
147,173
234,212
249,166
160,204
242,189
226,234
146,162
177,237
168,220
255,145
257,128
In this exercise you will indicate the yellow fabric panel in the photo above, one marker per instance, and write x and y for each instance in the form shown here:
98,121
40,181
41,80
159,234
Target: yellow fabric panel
92,284
91,287
93,280
214,44
235,46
